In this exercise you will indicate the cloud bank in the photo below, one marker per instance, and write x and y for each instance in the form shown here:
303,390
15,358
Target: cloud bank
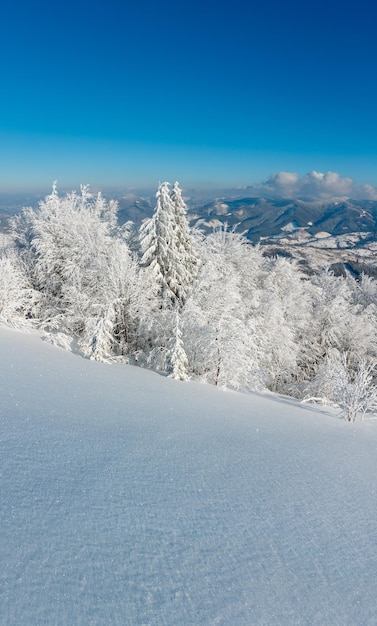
314,185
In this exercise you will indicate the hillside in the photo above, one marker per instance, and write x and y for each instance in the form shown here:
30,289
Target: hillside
261,217
338,233
130,498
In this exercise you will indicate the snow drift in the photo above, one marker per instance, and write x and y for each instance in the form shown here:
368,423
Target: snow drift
131,498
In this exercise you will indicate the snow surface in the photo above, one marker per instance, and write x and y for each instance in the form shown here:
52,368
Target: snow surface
129,498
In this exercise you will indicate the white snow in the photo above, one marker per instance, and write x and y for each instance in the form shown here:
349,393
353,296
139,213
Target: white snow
129,498
322,235
290,227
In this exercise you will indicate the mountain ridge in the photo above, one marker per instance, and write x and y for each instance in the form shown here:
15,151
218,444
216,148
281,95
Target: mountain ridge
339,232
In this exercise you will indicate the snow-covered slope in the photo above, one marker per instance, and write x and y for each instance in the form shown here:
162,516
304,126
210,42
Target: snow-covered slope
129,498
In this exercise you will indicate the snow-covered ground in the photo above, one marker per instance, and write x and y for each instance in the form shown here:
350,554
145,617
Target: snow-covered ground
129,498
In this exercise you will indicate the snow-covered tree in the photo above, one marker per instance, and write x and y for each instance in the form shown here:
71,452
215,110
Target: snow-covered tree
282,321
339,321
66,245
167,248
101,344
208,307
358,393
178,356
17,297
342,382
81,266
184,241
217,332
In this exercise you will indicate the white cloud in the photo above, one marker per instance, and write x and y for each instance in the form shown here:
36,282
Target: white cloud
314,185
284,178
365,192
282,183
325,185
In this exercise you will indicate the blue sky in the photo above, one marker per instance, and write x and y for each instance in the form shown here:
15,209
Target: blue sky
118,94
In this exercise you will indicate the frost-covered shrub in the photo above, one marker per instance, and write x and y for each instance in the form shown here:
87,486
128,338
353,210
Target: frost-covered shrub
17,298
342,382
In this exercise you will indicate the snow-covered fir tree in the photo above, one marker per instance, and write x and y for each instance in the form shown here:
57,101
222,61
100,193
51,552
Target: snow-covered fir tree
101,339
188,260
167,248
177,354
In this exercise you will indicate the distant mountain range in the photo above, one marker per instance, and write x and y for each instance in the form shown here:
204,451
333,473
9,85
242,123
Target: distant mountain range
340,233
259,218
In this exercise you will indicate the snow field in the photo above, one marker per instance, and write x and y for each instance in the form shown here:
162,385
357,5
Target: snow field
129,498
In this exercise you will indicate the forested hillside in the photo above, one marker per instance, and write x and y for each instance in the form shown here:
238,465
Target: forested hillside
209,307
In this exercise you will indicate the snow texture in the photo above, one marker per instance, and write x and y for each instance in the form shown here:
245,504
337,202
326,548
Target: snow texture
130,498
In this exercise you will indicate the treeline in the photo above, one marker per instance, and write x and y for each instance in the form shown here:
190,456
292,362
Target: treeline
210,308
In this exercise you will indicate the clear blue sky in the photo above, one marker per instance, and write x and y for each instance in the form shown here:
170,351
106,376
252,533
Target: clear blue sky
116,94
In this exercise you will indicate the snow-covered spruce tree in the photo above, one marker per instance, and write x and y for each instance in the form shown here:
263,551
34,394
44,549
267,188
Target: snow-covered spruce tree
169,258
177,354
167,248
187,255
